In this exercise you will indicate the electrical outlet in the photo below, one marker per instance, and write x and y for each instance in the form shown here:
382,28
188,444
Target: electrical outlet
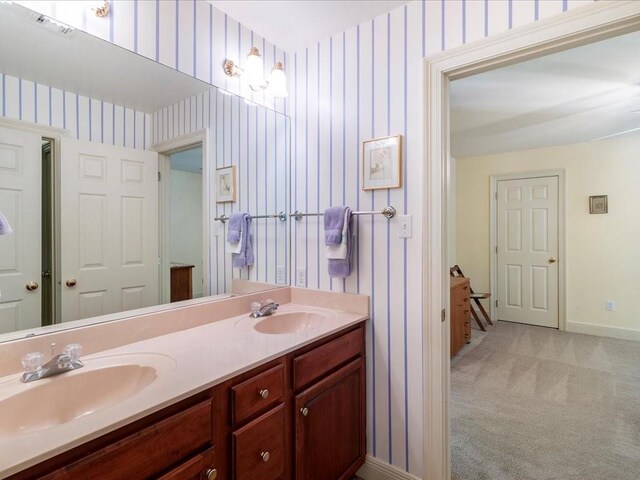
404,222
301,277
610,305
280,275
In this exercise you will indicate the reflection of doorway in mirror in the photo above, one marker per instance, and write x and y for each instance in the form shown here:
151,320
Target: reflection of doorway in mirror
185,224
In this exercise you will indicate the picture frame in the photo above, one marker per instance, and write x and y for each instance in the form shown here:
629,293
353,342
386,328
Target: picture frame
598,204
226,184
382,163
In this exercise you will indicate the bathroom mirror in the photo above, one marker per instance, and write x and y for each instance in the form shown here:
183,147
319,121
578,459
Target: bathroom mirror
118,175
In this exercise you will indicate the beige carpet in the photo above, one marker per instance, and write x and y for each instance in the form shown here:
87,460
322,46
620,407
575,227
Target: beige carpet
530,403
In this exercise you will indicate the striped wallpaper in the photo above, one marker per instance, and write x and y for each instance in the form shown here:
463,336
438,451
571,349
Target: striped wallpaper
85,118
256,140
359,84
364,83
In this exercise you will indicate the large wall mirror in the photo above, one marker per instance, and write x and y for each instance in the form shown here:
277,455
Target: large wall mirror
118,176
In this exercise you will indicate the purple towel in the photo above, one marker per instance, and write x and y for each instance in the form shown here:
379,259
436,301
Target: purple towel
341,268
236,222
333,223
5,228
245,257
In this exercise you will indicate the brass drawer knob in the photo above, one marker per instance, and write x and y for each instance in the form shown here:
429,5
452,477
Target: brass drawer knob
264,393
212,474
304,411
265,456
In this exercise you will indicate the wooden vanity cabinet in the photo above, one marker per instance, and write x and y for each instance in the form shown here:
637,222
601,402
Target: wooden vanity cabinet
298,417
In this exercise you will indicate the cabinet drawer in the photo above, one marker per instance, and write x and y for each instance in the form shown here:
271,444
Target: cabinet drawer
259,447
257,394
148,452
199,467
319,361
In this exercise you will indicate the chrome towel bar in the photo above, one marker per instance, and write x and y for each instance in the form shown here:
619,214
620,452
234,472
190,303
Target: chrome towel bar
282,216
388,212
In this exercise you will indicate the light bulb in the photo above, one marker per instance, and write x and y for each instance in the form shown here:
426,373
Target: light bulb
254,70
278,82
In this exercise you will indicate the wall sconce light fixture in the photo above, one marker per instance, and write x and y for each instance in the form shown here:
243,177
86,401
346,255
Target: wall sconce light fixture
253,74
5,228
101,9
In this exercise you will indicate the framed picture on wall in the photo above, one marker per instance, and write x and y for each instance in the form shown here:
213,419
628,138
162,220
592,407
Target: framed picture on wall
226,184
382,163
598,204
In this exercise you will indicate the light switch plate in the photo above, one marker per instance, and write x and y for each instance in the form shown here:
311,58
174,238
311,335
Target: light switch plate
280,275
610,305
404,226
301,277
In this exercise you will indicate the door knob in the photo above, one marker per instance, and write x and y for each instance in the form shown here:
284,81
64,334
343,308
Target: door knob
31,286
552,260
71,282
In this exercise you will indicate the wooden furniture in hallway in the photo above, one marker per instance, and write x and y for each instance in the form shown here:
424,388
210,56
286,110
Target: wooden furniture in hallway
181,282
460,309
456,271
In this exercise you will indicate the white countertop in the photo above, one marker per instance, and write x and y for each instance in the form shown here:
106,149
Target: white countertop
195,360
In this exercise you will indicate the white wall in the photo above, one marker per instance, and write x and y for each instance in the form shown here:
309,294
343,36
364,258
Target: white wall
185,223
602,250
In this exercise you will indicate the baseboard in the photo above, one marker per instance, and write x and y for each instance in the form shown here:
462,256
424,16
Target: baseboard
374,469
603,331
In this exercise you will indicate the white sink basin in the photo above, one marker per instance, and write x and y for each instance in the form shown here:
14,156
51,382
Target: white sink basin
288,322
53,401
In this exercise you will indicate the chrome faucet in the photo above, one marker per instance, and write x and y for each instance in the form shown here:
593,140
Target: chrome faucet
264,308
66,361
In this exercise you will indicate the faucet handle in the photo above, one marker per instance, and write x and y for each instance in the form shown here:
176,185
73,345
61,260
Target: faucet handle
73,350
32,362
255,307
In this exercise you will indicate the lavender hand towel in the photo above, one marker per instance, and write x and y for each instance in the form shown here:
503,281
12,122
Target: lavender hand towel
341,268
333,223
5,228
235,226
245,257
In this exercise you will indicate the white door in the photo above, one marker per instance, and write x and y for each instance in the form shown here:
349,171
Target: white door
20,202
109,229
527,217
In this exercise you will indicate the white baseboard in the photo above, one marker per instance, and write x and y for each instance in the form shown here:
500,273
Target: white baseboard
604,331
374,469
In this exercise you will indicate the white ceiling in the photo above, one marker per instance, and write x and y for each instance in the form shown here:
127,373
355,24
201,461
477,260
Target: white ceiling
84,64
574,96
295,24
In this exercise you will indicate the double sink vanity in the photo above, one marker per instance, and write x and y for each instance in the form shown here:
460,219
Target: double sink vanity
200,391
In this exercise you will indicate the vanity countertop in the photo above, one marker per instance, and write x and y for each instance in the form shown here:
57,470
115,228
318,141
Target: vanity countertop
193,360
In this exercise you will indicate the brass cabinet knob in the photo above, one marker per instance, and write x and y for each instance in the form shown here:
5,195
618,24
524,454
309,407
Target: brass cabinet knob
31,286
212,474
552,260
71,282
265,456
264,393
304,411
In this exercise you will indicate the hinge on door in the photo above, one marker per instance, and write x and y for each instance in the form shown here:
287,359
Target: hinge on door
159,176
496,248
496,303
443,314
496,195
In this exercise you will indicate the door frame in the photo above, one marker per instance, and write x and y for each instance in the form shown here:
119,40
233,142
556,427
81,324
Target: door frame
576,27
560,173
164,149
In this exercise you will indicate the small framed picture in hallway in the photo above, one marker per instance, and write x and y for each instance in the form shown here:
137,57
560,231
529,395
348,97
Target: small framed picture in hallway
598,204
382,163
226,184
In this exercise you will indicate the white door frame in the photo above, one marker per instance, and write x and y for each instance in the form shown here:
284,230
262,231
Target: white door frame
200,137
560,173
574,28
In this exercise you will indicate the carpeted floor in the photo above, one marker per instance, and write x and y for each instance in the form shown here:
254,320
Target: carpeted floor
530,403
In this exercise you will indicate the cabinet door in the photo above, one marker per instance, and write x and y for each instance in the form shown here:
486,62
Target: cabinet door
330,426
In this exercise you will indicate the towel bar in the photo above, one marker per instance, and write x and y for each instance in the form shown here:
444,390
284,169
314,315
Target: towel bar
388,212
280,216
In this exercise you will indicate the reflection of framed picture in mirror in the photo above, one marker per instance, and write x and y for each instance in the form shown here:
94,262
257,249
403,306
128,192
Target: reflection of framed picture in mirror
382,163
226,184
598,204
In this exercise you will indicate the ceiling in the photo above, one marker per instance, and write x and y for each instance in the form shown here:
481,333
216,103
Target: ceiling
294,25
187,160
574,96
84,64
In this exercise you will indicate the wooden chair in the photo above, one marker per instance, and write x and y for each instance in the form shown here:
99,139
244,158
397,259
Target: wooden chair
455,271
